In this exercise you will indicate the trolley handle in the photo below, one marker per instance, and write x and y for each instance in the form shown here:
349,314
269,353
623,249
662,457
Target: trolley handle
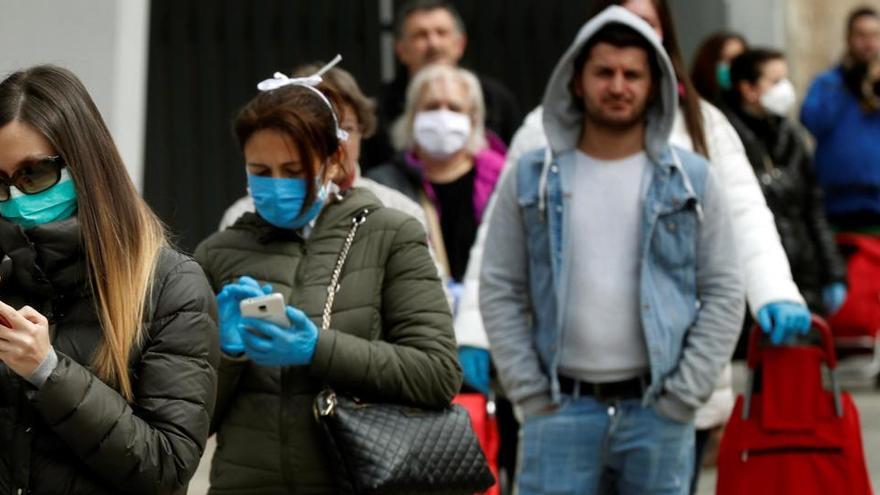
756,356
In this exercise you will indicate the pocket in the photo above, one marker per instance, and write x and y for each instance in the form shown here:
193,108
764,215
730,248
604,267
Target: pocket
675,238
559,407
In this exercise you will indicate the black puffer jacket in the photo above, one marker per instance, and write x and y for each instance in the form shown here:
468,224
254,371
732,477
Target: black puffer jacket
76,434
784,167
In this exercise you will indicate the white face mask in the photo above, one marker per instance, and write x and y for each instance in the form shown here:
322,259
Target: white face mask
441,133
779,99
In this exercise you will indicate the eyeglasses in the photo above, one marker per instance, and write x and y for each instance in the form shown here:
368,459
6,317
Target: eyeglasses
34,176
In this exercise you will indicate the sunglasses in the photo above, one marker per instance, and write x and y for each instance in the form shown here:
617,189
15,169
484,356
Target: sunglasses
34,176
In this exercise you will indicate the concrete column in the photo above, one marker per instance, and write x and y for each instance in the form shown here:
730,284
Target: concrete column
104,42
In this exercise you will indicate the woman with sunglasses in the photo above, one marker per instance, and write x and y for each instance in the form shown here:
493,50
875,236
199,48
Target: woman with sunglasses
389,338
108,337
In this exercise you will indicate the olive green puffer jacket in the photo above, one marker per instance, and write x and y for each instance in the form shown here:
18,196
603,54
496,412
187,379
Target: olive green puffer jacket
391,339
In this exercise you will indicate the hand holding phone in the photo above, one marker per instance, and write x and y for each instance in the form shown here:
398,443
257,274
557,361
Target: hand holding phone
270,308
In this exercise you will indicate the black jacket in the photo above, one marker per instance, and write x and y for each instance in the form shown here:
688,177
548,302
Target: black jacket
76,434
784,167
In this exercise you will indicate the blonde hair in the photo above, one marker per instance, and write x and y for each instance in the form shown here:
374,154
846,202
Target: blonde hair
402,129
122,237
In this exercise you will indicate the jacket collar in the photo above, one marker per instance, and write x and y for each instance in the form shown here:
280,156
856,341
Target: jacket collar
44,260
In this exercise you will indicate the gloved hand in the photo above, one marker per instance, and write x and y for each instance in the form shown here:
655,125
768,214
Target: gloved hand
456,289
833,296
783,320
269,345
230,315
475,366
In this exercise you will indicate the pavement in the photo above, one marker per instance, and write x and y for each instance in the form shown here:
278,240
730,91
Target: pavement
867,400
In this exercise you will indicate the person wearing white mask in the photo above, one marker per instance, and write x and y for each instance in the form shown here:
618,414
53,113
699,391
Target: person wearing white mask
446,164
758,105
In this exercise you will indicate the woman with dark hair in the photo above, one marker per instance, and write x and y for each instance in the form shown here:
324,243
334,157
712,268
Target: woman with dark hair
711,69
758,106
107,367
358,119
390,338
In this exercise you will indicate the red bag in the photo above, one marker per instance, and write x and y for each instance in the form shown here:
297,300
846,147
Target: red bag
793,437
482,412
859,316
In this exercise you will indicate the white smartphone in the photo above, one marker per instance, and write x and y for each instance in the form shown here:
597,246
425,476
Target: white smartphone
270,308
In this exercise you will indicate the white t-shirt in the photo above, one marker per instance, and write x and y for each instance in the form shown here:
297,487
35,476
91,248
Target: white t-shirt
602,337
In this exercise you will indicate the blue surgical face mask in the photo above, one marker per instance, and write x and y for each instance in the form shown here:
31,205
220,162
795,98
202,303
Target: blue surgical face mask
722,73
52,205
280,201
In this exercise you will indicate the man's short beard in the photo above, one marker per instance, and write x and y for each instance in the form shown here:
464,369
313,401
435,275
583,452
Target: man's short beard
598,118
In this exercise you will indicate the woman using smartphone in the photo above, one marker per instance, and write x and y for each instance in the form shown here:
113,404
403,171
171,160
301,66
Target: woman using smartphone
391,337
109,346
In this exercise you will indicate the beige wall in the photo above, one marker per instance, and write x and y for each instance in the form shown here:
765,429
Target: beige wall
815,31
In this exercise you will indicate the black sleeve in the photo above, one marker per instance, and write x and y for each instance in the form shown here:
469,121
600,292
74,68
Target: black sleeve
831,263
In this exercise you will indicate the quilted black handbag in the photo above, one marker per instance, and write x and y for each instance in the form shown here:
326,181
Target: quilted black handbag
395,449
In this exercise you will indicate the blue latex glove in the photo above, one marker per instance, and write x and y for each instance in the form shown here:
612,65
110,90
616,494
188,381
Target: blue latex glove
475,366
268,344
230,315
783,320
833,296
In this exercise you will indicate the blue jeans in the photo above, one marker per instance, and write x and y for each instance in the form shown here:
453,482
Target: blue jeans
591,447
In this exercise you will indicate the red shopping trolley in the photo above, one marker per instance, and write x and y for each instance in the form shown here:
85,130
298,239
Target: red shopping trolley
792,436
856,325
481,409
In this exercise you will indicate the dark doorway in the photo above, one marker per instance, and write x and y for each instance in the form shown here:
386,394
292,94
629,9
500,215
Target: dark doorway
206,57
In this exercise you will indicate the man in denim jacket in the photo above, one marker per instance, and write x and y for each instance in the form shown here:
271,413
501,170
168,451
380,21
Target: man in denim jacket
609,289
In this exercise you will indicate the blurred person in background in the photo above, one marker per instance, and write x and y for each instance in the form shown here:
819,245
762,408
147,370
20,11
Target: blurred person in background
433,32
710,71
842,111
758,105
447,166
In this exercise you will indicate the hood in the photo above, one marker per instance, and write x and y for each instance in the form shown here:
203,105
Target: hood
563,120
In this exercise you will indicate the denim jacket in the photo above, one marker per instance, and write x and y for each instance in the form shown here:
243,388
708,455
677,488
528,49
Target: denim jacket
691,294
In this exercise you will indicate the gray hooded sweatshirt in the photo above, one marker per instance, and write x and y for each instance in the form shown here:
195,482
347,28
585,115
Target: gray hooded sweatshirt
506,301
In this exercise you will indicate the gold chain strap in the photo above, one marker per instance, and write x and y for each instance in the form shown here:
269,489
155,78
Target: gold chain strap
333,288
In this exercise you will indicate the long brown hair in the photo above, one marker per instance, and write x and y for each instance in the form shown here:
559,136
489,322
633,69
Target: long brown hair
302,115
690,100
704,72
121,235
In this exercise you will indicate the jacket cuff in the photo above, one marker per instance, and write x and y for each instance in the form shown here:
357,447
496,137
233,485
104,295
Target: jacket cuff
674,408
322,359
232,357
46,367
535,404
